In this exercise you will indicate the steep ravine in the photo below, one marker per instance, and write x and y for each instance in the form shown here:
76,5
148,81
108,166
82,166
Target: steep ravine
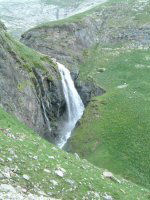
67,42
31,88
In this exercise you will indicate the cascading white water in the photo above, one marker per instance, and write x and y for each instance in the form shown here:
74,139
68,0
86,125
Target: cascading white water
75,106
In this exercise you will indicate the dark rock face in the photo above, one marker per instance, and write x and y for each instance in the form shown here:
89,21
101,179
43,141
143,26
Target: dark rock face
51,98
64,42
87,90
33,95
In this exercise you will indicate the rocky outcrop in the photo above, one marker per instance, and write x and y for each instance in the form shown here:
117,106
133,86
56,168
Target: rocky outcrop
87,90
30,86
63,41
67,40
67,43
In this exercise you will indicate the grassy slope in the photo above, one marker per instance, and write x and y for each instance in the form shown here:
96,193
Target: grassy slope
27,57
114,132
117,134
21,147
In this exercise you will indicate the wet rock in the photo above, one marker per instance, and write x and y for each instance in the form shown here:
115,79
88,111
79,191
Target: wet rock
69,42
87,90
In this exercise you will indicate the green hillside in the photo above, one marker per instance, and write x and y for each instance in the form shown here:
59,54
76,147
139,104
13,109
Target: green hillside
114,132
23,152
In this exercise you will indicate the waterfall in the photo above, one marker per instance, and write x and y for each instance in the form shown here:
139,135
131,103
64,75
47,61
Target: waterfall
74,105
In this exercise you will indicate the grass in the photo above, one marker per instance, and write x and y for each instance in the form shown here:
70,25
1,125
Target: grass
114,131
20,147
113,134
117,135
27,57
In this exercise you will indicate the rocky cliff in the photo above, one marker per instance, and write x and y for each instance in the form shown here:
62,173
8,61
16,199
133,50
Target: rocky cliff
30,86
110,23
69,40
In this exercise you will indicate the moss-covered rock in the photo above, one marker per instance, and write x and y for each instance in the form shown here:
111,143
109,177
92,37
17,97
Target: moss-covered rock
30,85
